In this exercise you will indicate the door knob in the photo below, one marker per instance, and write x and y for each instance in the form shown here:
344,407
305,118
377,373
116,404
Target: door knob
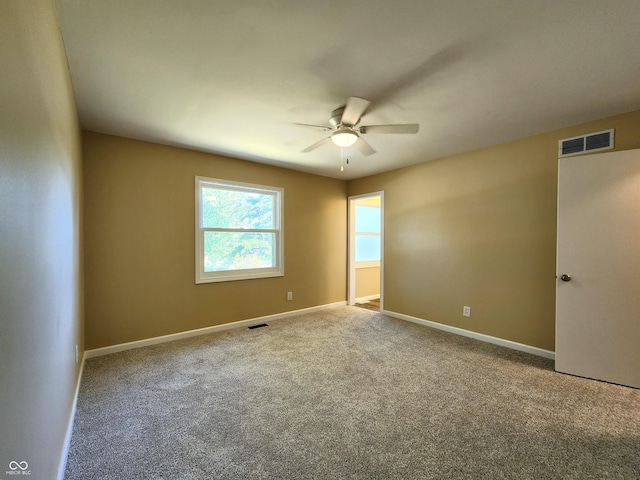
565,277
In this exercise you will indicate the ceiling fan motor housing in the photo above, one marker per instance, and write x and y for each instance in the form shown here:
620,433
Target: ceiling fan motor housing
336,117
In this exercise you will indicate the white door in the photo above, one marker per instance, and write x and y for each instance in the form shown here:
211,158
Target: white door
598,267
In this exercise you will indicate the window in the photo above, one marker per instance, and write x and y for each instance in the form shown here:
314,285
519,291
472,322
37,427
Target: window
238,231
367,235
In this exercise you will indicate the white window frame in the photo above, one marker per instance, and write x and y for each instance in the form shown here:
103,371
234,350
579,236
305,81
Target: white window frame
244,274
367,263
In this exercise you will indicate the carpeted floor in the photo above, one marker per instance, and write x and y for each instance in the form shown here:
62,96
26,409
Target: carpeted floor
346,393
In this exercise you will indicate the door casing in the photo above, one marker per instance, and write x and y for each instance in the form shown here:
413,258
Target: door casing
351,296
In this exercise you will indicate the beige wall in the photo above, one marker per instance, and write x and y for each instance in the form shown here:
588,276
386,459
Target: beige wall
139,229
479,229
367,282
40,244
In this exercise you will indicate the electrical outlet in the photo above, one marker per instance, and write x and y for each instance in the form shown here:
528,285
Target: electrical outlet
466,311
289,295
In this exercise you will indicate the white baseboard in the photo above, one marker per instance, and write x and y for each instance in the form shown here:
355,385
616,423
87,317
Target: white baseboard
96,352
478,336
67,438
367,298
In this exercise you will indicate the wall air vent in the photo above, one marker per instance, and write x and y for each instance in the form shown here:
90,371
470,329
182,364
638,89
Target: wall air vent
586,143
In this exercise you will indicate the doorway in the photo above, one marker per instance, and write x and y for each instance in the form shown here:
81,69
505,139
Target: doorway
366,250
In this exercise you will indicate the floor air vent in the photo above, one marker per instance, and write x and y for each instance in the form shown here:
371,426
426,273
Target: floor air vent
586,143
258,326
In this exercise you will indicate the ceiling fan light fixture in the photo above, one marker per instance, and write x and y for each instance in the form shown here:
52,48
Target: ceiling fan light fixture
344,137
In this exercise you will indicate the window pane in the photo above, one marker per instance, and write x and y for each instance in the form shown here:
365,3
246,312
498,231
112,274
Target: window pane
367,219
367,248
222,208
238,251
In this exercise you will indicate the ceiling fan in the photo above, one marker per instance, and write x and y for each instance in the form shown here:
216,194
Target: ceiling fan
345,131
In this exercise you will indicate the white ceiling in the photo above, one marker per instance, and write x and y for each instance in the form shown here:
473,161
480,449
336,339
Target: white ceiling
234,77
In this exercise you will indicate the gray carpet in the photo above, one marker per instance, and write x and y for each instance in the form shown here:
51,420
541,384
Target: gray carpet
346,393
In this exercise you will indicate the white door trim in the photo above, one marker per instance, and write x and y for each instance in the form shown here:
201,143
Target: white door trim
351,297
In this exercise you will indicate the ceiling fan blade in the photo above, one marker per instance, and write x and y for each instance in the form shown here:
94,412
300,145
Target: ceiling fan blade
323,127
316,145
353,110
364,147
403,128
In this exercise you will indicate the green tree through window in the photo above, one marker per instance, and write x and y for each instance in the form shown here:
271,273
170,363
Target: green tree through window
239,230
